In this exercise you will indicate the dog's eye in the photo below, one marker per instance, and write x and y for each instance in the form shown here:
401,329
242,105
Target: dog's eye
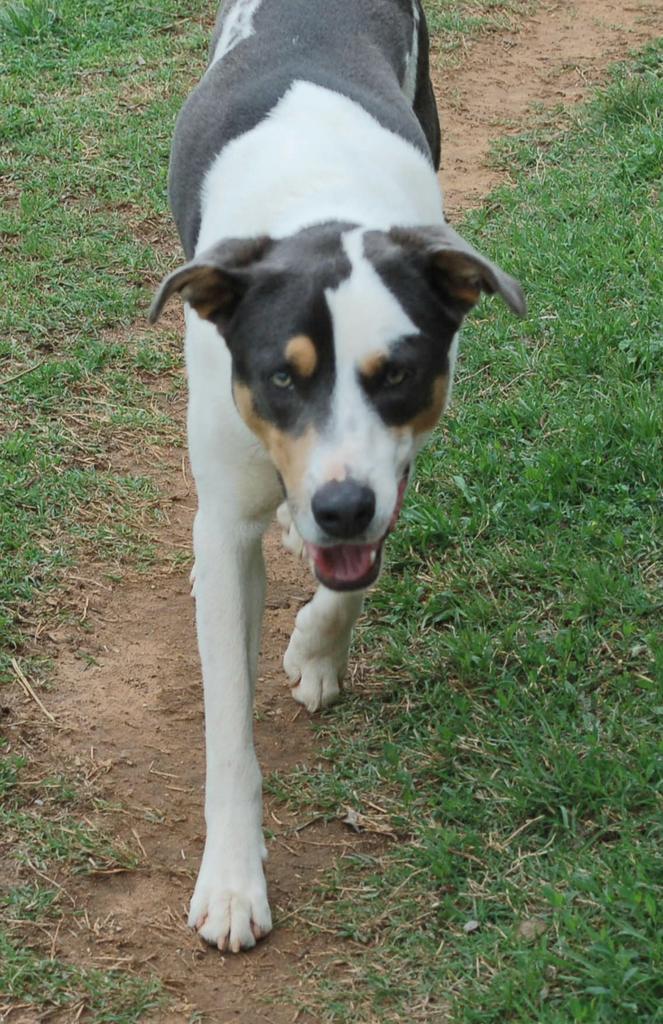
395,375
281,379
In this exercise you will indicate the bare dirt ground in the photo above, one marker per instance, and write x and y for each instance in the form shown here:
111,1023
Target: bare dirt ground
127,696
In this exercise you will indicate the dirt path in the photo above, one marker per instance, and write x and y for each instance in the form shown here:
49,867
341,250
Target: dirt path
556,57
133,719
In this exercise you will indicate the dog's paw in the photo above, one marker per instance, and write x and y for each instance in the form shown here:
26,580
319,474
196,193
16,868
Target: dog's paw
316,678
319,685
230,918
289,537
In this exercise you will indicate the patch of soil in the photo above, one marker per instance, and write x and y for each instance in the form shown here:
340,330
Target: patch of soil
128,708
555,57
128,696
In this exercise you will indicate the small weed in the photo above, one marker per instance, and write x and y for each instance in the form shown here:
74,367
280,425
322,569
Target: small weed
106,996
28,20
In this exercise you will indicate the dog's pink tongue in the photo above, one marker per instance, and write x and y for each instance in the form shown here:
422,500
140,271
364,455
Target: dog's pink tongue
344,563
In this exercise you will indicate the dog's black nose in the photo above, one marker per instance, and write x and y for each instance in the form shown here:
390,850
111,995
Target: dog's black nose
343,508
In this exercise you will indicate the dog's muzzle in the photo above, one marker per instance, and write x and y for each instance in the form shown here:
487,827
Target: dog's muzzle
344,509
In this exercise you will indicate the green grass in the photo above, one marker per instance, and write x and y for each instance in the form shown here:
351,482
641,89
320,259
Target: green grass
83,86
88,93
44,827
455,23
506,723
28,21
108,997
44,831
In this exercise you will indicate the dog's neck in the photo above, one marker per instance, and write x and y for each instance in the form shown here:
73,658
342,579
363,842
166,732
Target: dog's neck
317,157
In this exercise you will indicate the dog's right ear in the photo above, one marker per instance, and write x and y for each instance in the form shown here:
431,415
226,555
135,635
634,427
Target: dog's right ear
215,281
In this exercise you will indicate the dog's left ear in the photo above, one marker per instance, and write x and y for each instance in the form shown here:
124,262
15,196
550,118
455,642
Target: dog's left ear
460,271
215,281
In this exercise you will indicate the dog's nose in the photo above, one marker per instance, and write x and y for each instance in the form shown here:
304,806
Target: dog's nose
343,508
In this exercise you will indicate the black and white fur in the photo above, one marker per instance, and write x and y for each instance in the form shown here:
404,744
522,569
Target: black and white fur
323,297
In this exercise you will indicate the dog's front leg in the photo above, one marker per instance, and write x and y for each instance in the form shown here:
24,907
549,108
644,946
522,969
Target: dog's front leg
229,906
317,655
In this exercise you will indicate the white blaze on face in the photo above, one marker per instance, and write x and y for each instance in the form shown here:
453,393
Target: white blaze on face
366,319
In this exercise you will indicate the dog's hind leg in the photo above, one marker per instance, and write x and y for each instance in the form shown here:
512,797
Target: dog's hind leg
317,655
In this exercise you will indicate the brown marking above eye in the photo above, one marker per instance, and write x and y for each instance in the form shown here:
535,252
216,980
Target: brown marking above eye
289,452
301,353
373,364
426,419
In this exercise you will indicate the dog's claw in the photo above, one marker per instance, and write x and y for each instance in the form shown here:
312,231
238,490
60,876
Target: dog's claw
232,919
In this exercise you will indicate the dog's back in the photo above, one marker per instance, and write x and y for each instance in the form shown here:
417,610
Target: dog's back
373,52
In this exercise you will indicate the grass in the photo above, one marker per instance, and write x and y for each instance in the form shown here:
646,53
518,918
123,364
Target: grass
83,387
45,826
454,24
505,726
28,22
43,837
109,997
82,202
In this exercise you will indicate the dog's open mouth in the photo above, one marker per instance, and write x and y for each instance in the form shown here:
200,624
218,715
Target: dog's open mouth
353,566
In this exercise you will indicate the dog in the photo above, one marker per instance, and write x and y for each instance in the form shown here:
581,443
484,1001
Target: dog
323,295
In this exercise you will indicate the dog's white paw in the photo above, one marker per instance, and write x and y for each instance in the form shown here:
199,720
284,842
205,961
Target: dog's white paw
229,909
316,675
289,537
230,920
319,686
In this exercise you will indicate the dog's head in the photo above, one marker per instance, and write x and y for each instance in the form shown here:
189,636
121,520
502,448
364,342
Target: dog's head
342,343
